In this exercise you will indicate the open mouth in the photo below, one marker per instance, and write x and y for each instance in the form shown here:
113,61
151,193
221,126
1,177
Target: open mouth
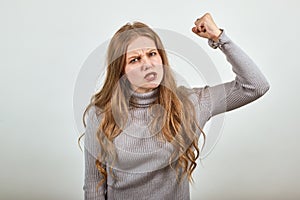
150,76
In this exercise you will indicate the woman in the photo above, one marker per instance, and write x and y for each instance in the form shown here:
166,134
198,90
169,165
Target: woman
142,131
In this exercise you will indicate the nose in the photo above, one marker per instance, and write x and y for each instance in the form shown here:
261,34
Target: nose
146,63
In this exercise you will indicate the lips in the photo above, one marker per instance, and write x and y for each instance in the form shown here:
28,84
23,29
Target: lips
150,76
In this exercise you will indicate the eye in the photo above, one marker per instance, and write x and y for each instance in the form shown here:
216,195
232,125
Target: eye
153,53
134,60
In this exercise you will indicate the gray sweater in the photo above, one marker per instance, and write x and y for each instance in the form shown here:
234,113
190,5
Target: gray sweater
142,168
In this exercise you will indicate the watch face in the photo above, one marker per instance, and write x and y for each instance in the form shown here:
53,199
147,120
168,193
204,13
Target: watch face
213,44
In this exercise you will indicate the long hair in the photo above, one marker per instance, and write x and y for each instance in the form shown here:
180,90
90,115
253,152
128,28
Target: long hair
179,119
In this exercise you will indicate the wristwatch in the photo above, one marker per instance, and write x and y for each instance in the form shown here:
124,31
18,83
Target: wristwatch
221,41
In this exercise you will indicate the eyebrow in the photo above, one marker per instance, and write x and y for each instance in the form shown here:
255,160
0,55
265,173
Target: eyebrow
138,54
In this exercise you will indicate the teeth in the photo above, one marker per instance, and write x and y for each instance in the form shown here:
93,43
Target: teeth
150,76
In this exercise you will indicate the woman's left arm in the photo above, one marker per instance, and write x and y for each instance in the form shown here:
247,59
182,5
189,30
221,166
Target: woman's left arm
249,83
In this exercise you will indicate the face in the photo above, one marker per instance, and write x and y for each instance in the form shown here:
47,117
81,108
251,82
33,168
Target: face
144,68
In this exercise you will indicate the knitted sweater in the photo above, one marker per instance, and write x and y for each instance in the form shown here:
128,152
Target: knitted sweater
141,167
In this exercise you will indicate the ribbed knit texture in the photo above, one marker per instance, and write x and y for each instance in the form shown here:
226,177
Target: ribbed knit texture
142,168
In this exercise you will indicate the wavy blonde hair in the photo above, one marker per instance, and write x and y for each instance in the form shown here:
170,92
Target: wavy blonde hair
179,119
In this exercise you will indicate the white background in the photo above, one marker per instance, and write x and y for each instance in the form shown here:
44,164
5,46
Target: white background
43,45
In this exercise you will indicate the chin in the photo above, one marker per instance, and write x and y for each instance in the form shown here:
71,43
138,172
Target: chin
152,86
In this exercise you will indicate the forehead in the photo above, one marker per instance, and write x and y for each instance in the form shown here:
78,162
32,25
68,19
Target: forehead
140,43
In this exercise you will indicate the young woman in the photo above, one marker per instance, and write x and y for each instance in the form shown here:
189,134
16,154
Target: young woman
142,130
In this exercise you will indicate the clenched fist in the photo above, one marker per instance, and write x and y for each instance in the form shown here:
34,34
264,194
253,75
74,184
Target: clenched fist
206,27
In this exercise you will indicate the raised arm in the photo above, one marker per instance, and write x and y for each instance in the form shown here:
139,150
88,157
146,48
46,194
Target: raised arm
249,83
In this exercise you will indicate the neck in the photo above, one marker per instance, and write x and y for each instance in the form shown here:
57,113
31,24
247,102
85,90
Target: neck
143,99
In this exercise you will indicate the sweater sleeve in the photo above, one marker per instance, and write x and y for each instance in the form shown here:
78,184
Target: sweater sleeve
249,83
91,150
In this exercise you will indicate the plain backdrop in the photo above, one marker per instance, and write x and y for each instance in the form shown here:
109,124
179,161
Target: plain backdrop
43,45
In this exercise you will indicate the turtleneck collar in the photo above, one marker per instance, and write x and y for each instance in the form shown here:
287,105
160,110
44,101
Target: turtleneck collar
143,100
